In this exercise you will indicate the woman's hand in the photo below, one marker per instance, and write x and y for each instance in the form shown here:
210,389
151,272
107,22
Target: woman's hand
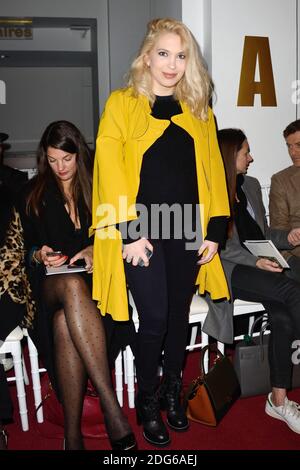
87,255
211,249
48,260
136,250
268,265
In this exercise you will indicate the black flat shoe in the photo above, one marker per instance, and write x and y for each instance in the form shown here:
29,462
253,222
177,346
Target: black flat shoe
127,442
3,440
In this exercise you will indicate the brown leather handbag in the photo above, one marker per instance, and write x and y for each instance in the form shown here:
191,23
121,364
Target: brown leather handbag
210,395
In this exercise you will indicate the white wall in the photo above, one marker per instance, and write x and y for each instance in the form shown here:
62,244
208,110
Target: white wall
230,22
76,9
166,8
127,26
196,14
297,89
128,19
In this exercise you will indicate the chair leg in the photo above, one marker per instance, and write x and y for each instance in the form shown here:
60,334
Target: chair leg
25,375
119,378
251,321
193,336
35,376
204,342
125,366
17,358
221,347
130,376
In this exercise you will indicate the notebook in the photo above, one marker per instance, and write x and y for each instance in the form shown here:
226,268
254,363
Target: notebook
64,269
266,249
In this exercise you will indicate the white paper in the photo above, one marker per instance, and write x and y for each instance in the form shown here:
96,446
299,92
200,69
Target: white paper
266,249
63,269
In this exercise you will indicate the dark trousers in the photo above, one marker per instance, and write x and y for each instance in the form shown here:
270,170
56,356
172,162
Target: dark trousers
294,272
162,293
281,299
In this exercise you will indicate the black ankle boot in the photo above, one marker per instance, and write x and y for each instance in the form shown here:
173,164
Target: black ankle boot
169,393
148,414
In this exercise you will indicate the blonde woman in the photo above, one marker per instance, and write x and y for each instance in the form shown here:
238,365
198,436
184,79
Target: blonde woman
157,162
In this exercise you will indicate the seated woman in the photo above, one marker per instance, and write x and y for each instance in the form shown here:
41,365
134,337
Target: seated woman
16,304
56,214
261,280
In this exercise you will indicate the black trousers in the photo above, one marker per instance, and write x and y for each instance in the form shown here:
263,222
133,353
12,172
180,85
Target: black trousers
294,272
162,293
280,296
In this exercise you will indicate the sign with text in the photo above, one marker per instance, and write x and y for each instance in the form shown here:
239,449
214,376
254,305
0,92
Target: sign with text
16,28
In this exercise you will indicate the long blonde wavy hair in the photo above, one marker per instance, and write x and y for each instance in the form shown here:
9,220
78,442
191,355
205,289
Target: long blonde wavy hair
194,88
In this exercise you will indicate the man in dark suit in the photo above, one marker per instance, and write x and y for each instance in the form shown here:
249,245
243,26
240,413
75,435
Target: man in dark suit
13,180
285,197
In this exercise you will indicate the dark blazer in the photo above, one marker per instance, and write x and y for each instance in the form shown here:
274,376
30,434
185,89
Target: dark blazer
54,227
219,321
234,253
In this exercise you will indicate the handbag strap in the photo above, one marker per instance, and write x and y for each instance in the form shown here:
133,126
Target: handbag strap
48,395
202,356
265,324
196,382
261,318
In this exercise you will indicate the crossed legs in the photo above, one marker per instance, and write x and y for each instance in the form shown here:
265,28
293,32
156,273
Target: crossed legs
80,352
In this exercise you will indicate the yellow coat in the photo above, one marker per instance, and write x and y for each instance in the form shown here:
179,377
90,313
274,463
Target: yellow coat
126,131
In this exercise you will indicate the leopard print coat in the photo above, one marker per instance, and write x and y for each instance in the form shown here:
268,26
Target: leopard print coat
13,278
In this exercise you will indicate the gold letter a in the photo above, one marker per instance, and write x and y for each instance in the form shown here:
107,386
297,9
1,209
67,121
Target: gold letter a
257,47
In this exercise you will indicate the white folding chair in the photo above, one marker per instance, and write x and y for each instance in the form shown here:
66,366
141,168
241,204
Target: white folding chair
119,378
12,345
35,376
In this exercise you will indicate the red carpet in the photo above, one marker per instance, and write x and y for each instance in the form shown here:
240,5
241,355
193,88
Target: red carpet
246,426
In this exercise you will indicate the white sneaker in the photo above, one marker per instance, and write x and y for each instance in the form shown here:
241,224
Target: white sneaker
289,412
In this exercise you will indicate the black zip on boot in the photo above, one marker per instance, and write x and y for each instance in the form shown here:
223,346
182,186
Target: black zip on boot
169,393
148,414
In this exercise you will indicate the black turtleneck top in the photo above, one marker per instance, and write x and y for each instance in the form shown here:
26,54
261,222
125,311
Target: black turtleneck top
168,174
